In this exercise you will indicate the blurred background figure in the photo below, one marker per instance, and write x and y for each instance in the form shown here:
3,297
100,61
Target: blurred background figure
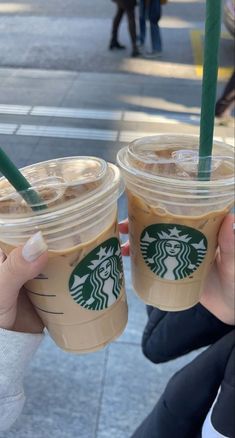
226,102
229,16
150,10
124,7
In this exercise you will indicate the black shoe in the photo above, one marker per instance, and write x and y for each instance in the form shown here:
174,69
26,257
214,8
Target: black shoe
116,45
135,53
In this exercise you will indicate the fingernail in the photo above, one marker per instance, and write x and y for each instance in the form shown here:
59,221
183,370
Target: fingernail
127,243
34,247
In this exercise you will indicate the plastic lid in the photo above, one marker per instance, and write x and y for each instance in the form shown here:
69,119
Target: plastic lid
169,157
62,182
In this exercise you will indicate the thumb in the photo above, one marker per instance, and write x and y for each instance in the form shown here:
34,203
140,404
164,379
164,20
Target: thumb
21,265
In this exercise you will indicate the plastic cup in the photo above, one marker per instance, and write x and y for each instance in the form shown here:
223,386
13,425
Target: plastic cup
80,296
174,219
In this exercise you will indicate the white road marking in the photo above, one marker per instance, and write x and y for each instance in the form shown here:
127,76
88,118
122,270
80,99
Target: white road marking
230,140
65,132
92,114
127,136
96,114
15,109
7,128
170,118
76,113
82,134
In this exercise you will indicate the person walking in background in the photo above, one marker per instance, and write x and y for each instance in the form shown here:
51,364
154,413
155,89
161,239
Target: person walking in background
150,10
226,102
124,7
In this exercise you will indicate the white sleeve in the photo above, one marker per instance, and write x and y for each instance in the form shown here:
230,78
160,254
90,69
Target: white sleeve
16,350
208,430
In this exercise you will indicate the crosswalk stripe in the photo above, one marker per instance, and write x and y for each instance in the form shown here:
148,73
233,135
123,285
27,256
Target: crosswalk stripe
7,128
65,132
15,109
82,134
230,140
127,136
76,113
170,118
96,114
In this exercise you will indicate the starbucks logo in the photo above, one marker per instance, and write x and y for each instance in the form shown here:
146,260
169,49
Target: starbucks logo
96,281
172,251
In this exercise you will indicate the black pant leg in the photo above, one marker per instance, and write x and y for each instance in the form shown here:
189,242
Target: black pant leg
132,26
182,409
116,22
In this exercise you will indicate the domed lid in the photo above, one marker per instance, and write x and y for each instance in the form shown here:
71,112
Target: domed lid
61,183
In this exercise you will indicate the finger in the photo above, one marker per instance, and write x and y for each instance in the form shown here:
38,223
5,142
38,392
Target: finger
2,256
124,226
226,238
21,265
126,249
226,245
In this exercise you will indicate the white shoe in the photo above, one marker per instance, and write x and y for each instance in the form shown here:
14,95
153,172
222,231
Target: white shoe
153,55
224,121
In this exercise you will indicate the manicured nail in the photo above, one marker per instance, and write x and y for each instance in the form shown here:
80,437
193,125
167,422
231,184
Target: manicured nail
34,247
125,248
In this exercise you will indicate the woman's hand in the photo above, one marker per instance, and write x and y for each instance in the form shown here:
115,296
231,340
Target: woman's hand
218,295
23,264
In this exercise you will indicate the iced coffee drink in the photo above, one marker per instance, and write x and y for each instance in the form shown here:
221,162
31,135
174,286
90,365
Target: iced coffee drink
174,218
80,295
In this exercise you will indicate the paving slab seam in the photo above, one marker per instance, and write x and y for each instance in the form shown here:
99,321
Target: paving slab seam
134,344
102,391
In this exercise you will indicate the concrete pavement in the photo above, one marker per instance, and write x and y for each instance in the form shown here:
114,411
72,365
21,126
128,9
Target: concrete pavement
107,393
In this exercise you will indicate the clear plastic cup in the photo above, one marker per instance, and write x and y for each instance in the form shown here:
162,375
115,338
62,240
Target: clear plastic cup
80,296
174,218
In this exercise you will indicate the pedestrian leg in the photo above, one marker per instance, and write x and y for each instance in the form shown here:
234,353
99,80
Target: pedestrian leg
132,31
154,17
225,104
114,43
142,21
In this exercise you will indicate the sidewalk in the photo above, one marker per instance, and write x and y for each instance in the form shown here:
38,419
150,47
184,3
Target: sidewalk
51,113
105,394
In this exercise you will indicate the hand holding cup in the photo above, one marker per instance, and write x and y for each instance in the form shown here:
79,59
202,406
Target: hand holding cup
22,264
218,295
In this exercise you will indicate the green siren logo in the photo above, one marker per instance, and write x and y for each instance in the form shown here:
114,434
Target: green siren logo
96,281
172,251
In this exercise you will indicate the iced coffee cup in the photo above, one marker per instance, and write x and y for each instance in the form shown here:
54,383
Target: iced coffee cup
174,218
80,296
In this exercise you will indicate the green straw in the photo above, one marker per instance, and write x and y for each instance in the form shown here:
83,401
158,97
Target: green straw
19,182
210,73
